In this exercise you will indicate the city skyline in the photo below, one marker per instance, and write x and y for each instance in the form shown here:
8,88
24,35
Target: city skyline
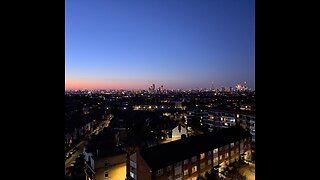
181,45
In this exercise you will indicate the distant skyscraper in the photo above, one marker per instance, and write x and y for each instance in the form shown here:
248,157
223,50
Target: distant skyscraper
153,87
238,87
161,88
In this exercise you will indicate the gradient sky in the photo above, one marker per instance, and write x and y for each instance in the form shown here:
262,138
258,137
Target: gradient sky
132,44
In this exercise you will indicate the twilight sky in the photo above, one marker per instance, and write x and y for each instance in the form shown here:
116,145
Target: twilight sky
132,44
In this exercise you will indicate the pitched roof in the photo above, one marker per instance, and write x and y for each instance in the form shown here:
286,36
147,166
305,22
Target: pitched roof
166,154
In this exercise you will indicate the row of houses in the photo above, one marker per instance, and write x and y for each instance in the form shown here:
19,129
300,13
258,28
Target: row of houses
70,137
223,119
189,158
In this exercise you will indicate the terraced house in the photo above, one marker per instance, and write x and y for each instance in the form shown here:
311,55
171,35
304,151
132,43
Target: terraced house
191,157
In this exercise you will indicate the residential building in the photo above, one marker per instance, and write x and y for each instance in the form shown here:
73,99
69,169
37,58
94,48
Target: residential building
191,157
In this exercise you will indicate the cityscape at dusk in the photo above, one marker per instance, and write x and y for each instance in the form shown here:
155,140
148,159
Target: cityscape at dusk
159,90
180,44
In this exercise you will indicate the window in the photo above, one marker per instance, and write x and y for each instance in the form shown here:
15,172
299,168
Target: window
169,168
186,161
202,155
226,155
232,160
202,165
209,153
169,178
226,147
132,175
185,172
159,172
209,162
232,152
220,149
203,174
194,169
215,150
215,161
231,145
106,174
194,159
133,164
241,151
237,143
220,157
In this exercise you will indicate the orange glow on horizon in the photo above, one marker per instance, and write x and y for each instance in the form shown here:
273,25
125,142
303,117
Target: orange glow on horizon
96,84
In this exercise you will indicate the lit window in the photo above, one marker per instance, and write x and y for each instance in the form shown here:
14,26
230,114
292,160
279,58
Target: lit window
209,162
202,155
132,175
185,172
220,157
202,165
226,155
215,161
215,151
194,159
194,169
231,145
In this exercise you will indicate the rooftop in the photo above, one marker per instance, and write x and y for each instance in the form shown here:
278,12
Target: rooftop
166,154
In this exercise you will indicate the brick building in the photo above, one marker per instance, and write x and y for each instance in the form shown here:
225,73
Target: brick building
191,157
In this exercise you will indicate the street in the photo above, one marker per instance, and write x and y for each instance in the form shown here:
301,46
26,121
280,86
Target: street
73,157
118,172
81,144
248,171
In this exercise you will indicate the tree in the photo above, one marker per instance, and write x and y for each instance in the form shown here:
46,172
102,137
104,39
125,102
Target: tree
213,175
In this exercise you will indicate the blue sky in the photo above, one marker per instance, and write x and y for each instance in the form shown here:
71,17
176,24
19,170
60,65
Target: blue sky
177,43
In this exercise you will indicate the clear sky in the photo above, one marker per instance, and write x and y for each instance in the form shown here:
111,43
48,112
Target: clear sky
132,44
